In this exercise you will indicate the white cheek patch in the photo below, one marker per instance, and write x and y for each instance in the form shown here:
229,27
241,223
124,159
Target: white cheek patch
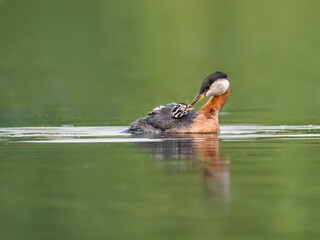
218,88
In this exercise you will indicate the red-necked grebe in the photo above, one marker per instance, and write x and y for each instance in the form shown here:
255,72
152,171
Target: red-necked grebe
182,118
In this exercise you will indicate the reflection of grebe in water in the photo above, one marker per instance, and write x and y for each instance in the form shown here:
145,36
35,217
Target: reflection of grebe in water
215,168
203,147
182,118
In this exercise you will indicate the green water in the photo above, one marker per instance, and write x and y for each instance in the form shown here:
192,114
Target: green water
188,187
107,63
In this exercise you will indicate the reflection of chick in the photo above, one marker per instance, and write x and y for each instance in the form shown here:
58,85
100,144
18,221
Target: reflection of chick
173,149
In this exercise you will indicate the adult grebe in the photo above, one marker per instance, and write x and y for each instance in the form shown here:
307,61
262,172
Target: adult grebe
170,118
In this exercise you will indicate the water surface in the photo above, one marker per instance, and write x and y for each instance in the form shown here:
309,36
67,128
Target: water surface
249,182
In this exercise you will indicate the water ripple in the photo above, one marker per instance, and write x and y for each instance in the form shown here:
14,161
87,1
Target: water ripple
69,134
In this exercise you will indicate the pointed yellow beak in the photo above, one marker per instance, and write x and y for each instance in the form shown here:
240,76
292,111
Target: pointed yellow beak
198,98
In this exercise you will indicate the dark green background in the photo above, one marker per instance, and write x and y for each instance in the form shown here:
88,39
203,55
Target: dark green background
110,62
88,63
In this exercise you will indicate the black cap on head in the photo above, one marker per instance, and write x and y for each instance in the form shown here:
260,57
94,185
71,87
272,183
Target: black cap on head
207,82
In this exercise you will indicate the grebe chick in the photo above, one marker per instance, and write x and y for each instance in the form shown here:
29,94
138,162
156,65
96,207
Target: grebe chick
180,110
182,118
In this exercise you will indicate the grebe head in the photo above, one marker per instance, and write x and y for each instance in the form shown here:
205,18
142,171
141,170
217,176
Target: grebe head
214,85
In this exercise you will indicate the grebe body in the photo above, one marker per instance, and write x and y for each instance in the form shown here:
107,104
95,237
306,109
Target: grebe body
170,118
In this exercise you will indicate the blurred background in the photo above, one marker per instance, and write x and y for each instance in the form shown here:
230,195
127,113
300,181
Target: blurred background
109,62
98,62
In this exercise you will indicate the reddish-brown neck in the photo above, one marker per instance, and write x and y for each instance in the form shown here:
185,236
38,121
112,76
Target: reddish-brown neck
213,106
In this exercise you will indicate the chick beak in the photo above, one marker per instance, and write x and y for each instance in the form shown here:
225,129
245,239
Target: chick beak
198,98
